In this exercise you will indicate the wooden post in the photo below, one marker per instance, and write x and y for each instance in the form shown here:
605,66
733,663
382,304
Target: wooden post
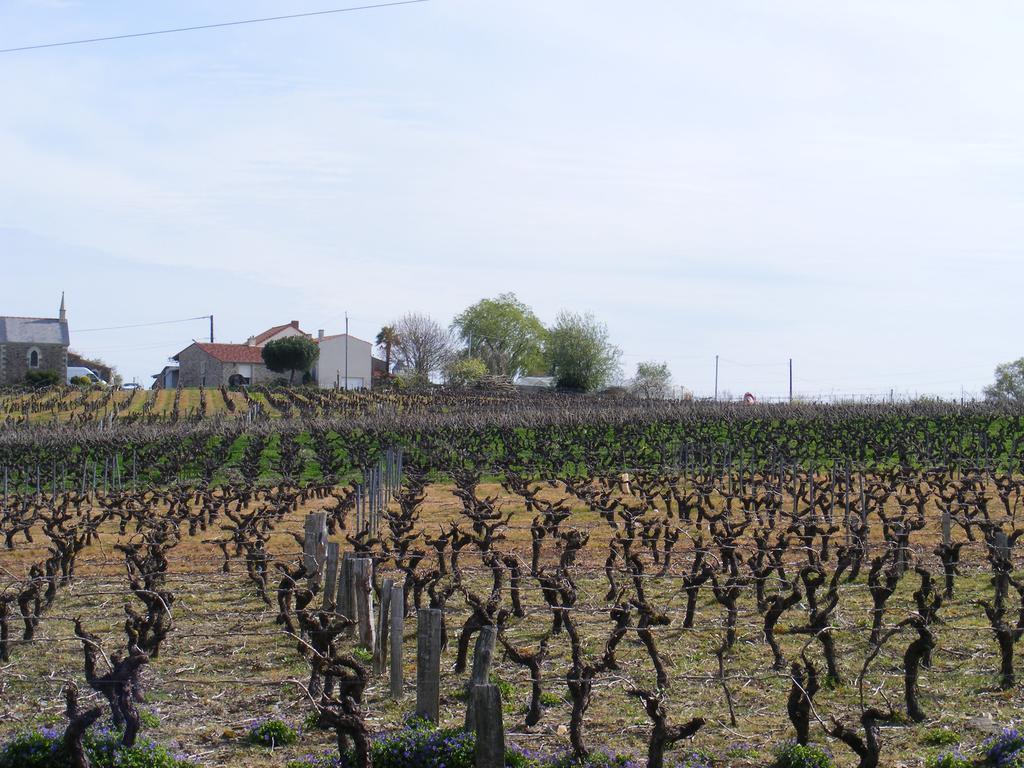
490,732
428,663
397,630
331,580
344,602
1002,545
380,657
314,547
483,655
362,568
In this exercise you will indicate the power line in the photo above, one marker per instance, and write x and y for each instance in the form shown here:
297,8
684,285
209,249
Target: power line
143,325
211,26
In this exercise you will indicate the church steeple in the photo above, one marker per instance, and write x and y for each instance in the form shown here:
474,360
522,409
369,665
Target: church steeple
63,312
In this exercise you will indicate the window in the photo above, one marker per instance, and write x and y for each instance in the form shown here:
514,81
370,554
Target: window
33,358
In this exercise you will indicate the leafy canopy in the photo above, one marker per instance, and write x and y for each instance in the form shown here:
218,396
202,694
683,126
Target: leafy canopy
505,334
579,353
465,372
1009,383
652,381
292,353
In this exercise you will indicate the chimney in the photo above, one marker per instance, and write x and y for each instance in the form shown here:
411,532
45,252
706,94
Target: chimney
63,312
320,335
295,323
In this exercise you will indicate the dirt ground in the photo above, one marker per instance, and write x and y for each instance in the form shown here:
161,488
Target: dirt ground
227,663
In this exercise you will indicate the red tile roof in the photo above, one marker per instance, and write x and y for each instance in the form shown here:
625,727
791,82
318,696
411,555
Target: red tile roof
272,332
232,353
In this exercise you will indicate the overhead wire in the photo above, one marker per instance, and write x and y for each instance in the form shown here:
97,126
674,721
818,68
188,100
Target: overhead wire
198,27
141,325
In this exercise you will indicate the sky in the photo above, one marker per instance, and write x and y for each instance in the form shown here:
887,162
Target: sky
840,184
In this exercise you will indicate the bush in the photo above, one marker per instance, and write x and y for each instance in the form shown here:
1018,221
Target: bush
697,759
549,699
272,733
421,745
81,381
940,737
954,759
739,751
596,759
34,749
44,748
324,761
506,690
793,755
1005,750
40,379
149,719
362,654
465,372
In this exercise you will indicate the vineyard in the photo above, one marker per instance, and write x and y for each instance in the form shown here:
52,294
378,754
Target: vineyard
284,577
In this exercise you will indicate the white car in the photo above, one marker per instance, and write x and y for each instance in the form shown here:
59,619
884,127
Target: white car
75,371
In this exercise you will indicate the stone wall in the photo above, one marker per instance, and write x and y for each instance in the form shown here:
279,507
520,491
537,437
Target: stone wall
14,360
194,363
197,368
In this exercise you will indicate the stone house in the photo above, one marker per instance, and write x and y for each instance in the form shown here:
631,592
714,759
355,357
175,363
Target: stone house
33,344
211,365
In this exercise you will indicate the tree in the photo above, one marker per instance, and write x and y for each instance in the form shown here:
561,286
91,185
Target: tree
652,381
579,353
505,334
292,353
423,346
465,371
387,339
1009,383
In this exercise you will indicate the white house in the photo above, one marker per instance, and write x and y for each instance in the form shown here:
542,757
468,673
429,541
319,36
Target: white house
275,333
331,370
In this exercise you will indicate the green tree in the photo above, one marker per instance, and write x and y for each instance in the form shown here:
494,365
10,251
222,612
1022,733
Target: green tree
386,340
292,353
505,334
465,372
653,381
1009,383
579,353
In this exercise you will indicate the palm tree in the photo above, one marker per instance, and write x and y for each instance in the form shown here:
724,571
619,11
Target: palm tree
387,338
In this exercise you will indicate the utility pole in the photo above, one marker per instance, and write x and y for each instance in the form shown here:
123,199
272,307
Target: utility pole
346,351
716,378
211,329
791,381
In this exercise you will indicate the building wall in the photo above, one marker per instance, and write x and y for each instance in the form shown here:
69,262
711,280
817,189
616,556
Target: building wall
260,373
196,368
194,363
289,330
331,365
14,361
